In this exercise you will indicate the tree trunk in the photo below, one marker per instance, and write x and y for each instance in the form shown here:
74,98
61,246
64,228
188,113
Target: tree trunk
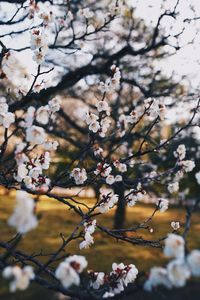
120,213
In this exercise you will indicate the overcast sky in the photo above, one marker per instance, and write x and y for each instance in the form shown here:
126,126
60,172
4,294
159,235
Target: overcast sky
187,60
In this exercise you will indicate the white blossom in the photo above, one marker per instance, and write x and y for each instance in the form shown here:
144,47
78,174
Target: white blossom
197,176
51,145
90,118
98,151
175,225
131,199
180,152
29,117
54,105
94,126
35,135
174,246
47,17
163,204
103,169
178,272
89,228
154,108
110,179
157,276
22,172
43,161
102,106
39,56
87,242
67,274
23,218
118,178
43,114
78,262
20,278
130,275
193,260
86,12
173,187
187,165
120,166
125,274
107,202
35,172
79,175
108,295
99,280
38,39
6,118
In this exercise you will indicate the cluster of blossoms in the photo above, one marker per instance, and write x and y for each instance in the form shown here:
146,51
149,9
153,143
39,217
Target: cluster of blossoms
89,229
121,167
173,187
30,171
23,217
79,175
179,270
180,152
6,117
100,123
132,196
95,20
46,17
125,120
107,201
42,115
186,165
155,108
119,278
111,83
34,9
68,271
20,278
39,45
104,170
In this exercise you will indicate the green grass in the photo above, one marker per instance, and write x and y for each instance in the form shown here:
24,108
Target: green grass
55,218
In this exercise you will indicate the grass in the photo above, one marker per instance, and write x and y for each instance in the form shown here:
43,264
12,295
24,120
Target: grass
55,218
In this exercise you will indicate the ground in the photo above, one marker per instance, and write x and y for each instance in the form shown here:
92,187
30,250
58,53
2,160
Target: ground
55,218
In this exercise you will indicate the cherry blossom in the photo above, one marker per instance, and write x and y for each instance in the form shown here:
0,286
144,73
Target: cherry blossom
178,272
35,134
23,217
175,225
174,246
193,260
79,175
67,274
163,204
20,278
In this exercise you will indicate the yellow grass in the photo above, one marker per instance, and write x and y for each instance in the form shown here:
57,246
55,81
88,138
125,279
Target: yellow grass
55,218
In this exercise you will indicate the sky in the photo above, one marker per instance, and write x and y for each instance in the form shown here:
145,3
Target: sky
187,60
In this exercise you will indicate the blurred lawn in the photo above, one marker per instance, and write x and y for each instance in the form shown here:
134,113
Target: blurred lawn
56,219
